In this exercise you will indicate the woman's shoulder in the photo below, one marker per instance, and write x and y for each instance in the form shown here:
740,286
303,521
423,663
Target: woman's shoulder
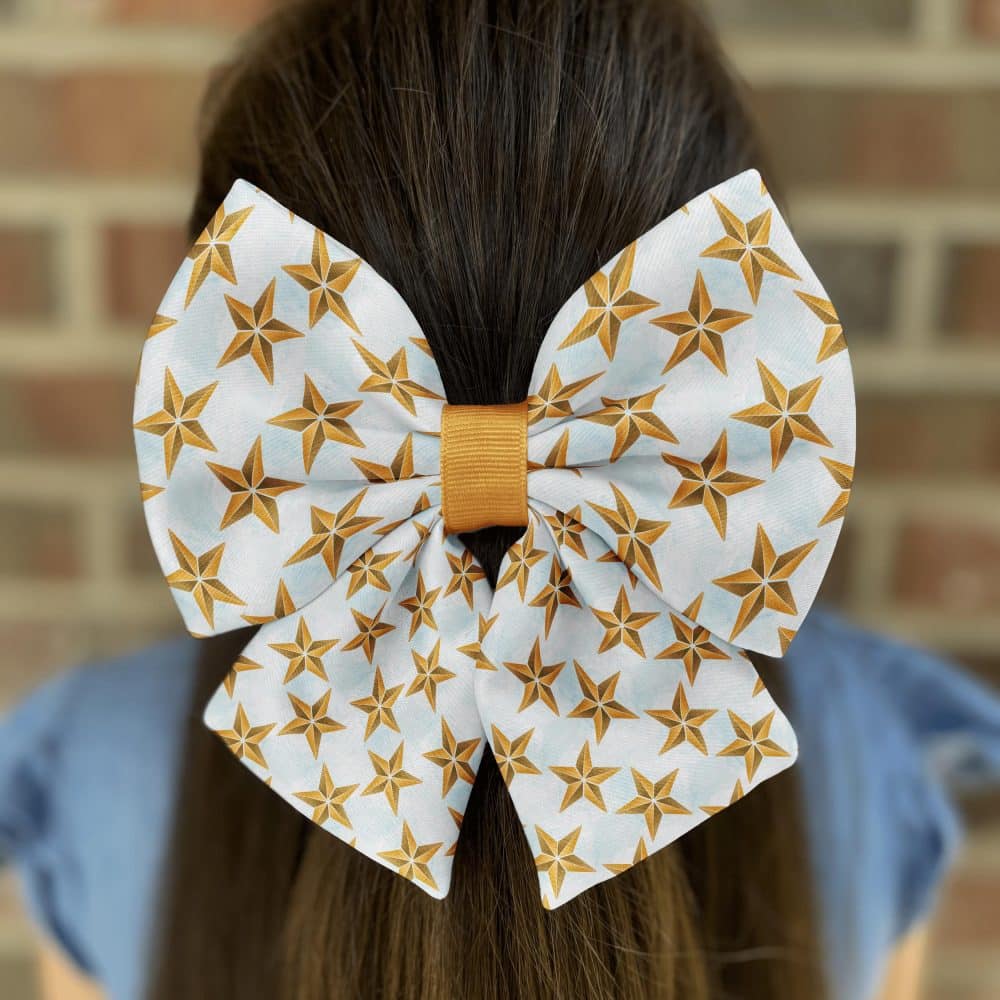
87,764
887,734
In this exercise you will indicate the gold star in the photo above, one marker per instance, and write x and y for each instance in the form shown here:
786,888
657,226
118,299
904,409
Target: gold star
753,742
159,324
599,702
708,483
328,800
326,282
243,739
465,571
240,666
567,529
785,413
393,377
474,650
622,625
557,592
700,328
584,780
833,333
512,754
641,853
610,301
390,778
411,859
455,815
378,705
199,576
454,759
520,558
305,653
311,721
765,583
552,398
843,476
318,422
284,607
430,673
653,800
401,466
368,570
631,418
147,491
210,252
693,643
420,606
635,535
257,331
557,458
423,502
370,630
735,797
330,531
177,423
537,678
683,722
746,243
253,491
556,857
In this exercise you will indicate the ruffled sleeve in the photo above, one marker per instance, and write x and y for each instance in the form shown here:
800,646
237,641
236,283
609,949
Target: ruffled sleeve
33,834
888,735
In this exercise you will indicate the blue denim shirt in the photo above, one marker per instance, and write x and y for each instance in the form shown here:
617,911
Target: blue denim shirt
88,767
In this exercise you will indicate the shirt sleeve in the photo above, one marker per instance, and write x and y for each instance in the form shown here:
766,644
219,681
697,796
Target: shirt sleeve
888,734
32,835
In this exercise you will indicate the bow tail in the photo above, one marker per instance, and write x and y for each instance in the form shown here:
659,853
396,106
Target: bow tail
618,723
358,709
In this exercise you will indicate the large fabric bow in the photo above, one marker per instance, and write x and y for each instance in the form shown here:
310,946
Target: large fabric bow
690,442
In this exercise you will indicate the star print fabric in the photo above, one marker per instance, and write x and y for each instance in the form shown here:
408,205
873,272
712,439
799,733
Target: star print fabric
690,454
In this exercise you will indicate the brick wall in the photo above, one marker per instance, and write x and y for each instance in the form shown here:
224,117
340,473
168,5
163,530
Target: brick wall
884,119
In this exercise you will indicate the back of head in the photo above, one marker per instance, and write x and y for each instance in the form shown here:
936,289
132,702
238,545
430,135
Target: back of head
486,159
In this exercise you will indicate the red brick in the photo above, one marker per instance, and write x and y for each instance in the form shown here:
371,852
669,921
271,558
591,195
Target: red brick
970,305
26,273
934,436
101,123
219,13
28,103
834,590
128,123
89,415
859,277
882,139
139,261
140,560
948,566
983,19
39,540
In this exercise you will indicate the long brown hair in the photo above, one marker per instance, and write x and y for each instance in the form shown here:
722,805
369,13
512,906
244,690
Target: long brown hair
486,158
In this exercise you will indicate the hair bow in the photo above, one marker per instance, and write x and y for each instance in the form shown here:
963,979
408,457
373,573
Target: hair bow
681,466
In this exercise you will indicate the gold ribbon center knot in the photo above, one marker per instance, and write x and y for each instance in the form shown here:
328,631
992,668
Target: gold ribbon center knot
484,466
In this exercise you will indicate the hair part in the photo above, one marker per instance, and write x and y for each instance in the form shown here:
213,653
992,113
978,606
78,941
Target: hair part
486,159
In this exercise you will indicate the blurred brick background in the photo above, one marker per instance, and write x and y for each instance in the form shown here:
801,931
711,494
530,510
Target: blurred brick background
884,119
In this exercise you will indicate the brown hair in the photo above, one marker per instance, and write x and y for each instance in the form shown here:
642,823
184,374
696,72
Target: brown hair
486,158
